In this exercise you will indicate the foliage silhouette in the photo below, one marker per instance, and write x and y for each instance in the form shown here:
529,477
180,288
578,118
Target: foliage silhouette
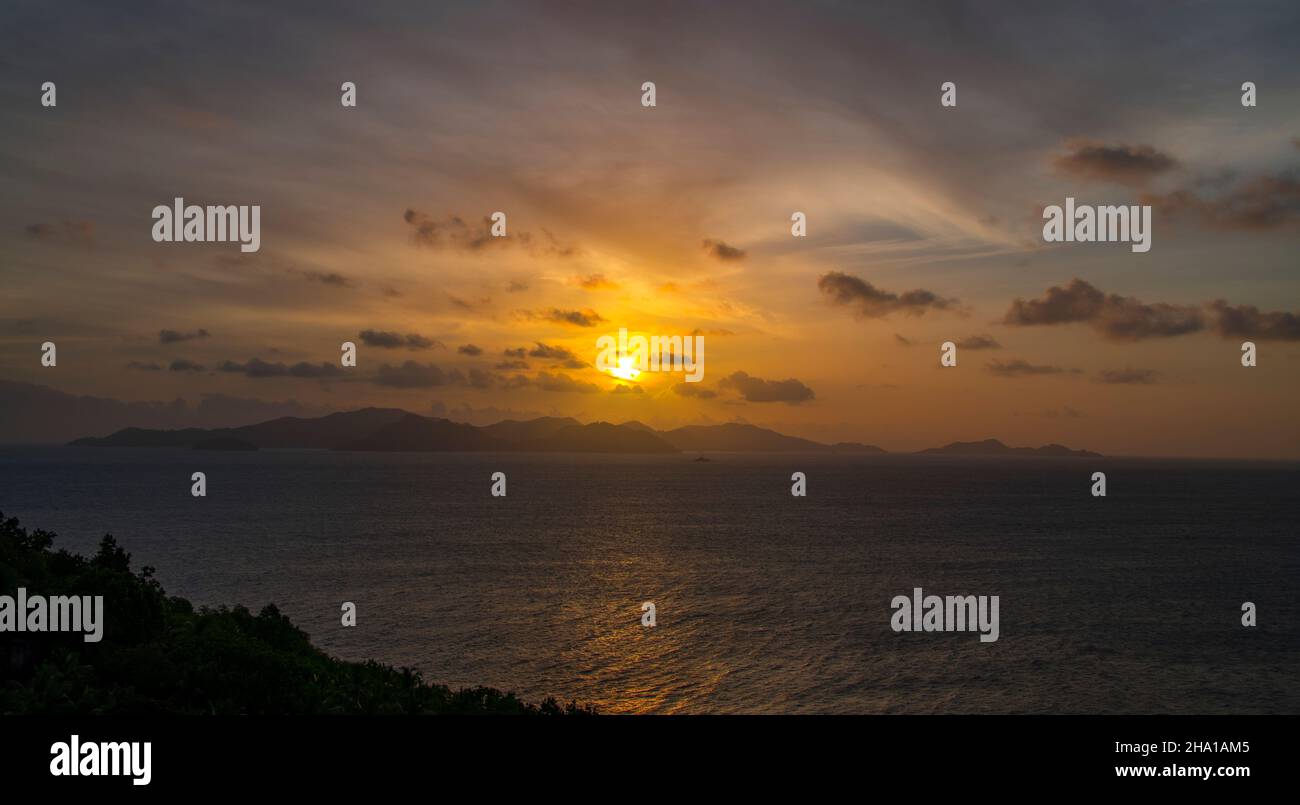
159,655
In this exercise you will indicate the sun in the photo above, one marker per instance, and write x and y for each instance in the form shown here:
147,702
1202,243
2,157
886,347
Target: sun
626,369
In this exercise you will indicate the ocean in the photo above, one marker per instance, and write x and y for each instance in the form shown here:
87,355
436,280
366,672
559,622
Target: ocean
765,602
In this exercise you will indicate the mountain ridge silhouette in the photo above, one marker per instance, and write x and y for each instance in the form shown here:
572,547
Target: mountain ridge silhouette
397,430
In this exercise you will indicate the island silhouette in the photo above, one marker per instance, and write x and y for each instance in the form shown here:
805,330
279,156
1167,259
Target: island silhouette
396,430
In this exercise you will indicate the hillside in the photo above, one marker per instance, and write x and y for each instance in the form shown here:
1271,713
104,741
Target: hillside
738,438
993,447
160,655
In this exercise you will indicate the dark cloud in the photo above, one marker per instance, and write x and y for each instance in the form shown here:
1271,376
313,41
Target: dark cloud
868,301
417,341
563,383
68,231
1021,368
147,367
1258,204
694,390
549,352
174,336
979,342
1052,413
330,278
1247,321
559,383
1119,318
389,340
414,375
907,342
1116,163
516,286
540,351
623,388
547,245
185,365
1124,318
467,305
717,333
453,232
596,282
1128,376
575,318
758,390
720,250
258,368
469,349
386,341
477,378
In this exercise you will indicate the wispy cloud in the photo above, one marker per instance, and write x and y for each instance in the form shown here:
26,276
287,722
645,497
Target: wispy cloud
1128,376
1018,367
176,336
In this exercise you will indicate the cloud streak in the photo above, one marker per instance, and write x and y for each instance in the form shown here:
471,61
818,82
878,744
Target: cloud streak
1018,367
571,318
175,336
259,369
391,340
1128,376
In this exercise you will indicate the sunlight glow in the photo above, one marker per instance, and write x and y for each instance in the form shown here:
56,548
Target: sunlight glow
626,369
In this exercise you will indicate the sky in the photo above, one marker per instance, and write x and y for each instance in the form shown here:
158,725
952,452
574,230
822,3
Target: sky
924,221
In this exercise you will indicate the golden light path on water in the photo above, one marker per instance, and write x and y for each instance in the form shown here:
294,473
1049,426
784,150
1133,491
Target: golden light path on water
633,668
